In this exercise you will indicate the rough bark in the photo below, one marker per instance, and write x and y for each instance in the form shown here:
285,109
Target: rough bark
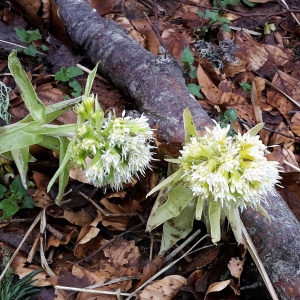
159,91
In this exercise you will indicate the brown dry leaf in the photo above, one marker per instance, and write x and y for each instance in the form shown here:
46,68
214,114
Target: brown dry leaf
86,237
219,286
286,83
279,57
145,28
236,266
278,139
78,174
130,30
211,92
66,233
21,268
174,41
255,104
79,218
164,289
42,199
250,51
289,156
245,110
296,123
90,278
122,259
118,222
152,268
231,69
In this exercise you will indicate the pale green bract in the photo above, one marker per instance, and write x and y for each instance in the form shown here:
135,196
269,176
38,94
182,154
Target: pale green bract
218,176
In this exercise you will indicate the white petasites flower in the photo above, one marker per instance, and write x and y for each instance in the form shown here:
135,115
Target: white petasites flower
230,170
127,152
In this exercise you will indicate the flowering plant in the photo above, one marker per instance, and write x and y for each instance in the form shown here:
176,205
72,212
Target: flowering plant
119,148
216,176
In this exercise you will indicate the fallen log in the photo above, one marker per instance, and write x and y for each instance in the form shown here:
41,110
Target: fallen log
157,88
159,91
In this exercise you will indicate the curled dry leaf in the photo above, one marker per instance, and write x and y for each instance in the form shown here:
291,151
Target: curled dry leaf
164,289
219,286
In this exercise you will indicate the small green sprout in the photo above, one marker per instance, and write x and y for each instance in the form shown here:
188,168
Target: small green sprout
67,75
217,175
187,58
245,86
227,119
214,19
29,36
14,199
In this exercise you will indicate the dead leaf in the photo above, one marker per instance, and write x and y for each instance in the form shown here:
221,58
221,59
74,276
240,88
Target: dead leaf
219,286
236,266
211,92
250,51
164,289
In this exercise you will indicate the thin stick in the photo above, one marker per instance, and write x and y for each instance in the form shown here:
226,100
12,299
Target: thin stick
37,219
60,287
259,263
13,44
291,165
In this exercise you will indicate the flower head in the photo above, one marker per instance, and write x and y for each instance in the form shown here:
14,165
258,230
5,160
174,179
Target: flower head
232,170
119,147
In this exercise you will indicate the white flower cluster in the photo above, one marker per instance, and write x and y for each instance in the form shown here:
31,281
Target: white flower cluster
230,170
118,147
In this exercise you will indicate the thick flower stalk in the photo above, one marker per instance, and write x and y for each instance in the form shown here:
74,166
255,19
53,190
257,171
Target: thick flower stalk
220,175
119,148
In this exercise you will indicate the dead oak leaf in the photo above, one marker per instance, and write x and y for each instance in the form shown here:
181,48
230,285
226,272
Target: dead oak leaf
164,289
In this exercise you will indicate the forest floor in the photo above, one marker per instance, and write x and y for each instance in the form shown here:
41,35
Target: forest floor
245,56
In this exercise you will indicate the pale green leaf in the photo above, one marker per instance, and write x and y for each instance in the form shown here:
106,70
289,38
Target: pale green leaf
20,157
261,210
35,106
17,140
256,129
50,142
199,208
189,126
214,214
177,228
168,181
63,178
235,223
67,130
162,197
90,81
62,164
178,198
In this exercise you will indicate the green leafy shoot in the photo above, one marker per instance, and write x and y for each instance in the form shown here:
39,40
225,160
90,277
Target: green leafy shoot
214,18
67,75
187,58
228,118
245,86
29,36
195,90
21,290
14,199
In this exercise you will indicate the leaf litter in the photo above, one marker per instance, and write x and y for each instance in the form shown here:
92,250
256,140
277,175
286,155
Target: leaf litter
77,229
